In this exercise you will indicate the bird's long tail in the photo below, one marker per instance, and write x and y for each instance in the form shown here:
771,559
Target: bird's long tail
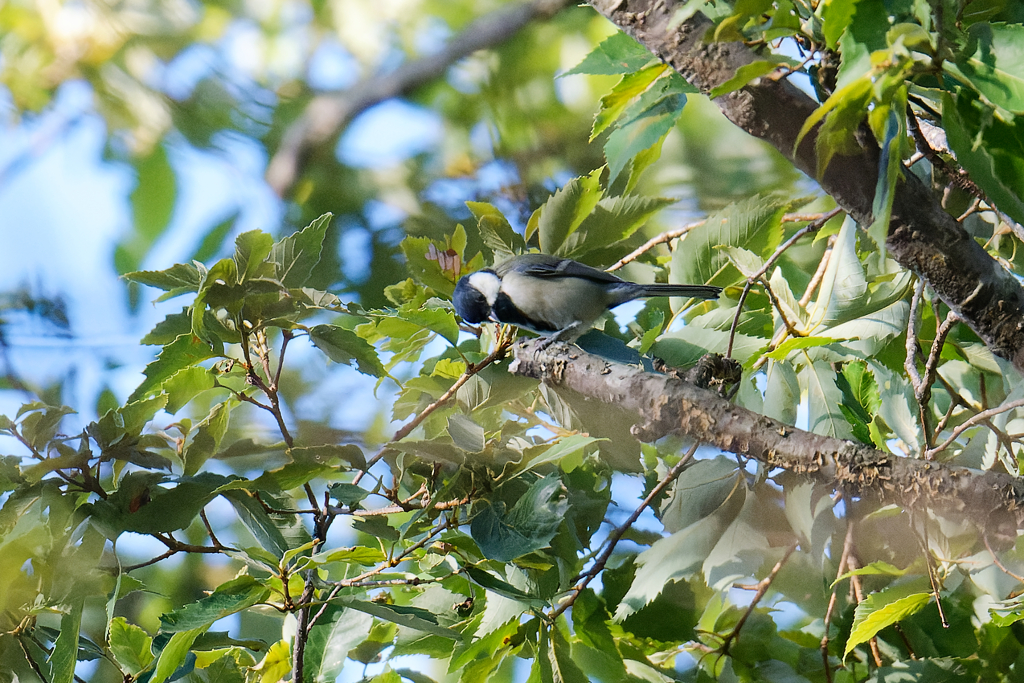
695,291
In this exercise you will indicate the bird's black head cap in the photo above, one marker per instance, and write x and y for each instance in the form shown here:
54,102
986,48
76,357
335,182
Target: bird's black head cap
470,303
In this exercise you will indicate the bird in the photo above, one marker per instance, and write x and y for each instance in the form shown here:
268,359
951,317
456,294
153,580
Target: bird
555,297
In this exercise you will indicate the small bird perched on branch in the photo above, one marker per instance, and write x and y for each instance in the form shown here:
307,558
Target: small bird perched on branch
555,297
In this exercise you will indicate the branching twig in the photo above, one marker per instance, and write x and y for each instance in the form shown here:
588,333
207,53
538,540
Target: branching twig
664,237
762,587
501,348
995,558
615,536
813,226
970,422
325,116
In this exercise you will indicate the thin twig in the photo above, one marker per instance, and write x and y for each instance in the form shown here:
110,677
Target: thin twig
500,350
813,226
840,570
664,237
819,274
762,587
995,559
615,536
970,422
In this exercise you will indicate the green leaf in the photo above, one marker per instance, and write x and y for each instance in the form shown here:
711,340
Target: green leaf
345,346
565,210
434,315
612,220
230,597
885,608
989,148
404,615
295,256
465,433
185,351
795,343
843,112
214,238
496,232
251,250
180,278
876,568
504,535
645,122
749,224
993,64
130,646
337,631
258,522
141,505
563,668
567,451
699,491
174,654
207,438
824,398
616,101
748,72
65,649
152,204
677,557
836,17
185,385
502,588
618,54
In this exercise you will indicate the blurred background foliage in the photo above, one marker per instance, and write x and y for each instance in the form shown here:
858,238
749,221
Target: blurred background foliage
178,86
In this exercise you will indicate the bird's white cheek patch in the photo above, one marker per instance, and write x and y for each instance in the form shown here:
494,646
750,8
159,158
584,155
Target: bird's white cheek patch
487,284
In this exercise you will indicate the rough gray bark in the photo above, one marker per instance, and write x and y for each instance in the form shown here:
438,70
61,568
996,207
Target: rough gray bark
667,405
922,236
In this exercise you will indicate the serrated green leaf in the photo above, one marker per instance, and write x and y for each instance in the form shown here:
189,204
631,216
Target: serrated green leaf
180,278
616,101
403,615
130,646
748,72
337,631
566,209
230,597
618,54
876,568
795,343
185,351
645,122
295,256
503,588
612,220
465,433
699,491
185,385
207,438
174,654
836,17
65,649
824,398
569,448
993,64
885,608
251,249
989,148
504,535
345,346
749,224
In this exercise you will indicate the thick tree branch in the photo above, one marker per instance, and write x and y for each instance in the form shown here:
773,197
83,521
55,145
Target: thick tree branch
922,236
667,405
327,115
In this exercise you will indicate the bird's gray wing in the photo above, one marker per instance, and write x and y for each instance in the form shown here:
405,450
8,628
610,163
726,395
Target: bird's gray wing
545,266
